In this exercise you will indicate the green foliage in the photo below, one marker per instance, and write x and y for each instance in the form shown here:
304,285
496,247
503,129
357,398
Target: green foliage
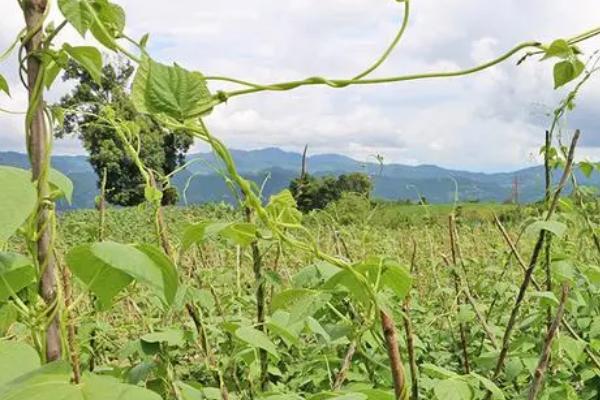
242,344
171,91
107,268
16,273
160,150
17,201
315,193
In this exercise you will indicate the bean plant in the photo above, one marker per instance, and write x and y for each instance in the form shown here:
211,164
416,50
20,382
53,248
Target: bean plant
88,317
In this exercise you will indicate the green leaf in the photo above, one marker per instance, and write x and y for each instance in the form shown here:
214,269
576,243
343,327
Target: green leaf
573,347
586,168
62,184
170,90
279,324
108,22
393,276
465,314
438,372
40,384
377,394
172,337
559,48
452,389
240,233
4,85
592,272
107,267
283,209
563,270
17,201
16,273
497,394
555,227
51,382
546,298
257,339
77,13
168,282
16,359
566,71
89,58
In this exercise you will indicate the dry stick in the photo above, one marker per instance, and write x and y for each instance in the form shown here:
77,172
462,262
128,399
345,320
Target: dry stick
548,248
467,287
71,333
102,207
504,272
537,287
408,330
540,371
532,264
465,290
389,332
341,375
38,150
462,330
260,304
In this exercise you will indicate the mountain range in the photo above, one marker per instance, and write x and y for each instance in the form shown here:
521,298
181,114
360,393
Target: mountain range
273,168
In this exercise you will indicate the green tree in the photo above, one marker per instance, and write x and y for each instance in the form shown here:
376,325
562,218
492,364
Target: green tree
315,193
355,183
161,151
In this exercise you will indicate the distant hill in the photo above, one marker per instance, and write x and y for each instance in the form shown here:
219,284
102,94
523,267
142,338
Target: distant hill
275,168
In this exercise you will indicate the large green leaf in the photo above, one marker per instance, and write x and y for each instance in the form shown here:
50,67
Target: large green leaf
559,48
107,267
257,339
62,184
452,389
16,272
497,393
170,90
301,303
45,383
554,227
16,359
172,337
108,22
17,201
283,208
77,13
51,382
240,233
573,347
89,58
566,71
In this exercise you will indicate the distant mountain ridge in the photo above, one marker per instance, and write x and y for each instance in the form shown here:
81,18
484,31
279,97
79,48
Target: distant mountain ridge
275,168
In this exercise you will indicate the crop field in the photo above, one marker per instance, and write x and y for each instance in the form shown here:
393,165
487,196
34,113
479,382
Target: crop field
315,291
322,333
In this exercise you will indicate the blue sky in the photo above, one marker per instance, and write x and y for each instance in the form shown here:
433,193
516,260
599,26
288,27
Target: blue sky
489,122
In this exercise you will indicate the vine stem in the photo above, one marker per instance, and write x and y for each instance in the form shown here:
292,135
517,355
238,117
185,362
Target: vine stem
35,12
461,326
398,375
533,263
540,371
408,330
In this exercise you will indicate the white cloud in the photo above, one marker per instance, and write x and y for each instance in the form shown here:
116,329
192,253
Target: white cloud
489,121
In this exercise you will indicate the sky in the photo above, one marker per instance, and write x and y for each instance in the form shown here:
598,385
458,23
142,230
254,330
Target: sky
492,121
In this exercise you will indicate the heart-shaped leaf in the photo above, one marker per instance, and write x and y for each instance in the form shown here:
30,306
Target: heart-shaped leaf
17,201
108,267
